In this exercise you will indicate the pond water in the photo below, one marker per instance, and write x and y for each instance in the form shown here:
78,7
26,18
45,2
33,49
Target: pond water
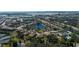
39,26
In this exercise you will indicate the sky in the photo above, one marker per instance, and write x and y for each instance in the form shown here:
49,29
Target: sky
39,5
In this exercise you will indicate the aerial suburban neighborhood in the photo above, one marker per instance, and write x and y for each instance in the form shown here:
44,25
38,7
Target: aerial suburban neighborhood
39,29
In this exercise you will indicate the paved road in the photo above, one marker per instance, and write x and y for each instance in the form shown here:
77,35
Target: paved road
46,22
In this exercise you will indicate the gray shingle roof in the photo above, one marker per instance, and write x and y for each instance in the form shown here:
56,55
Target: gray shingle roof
4,38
